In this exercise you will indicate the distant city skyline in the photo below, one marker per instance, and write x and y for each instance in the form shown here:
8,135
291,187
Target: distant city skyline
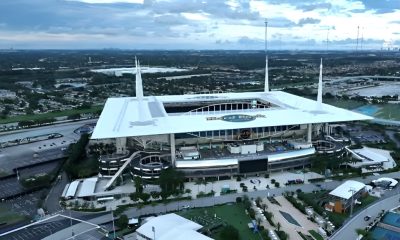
199,24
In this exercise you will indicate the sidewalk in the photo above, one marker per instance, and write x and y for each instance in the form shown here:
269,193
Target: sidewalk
260,183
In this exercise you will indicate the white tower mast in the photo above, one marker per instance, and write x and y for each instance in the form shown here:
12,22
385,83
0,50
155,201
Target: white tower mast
319,96
266,84
139,84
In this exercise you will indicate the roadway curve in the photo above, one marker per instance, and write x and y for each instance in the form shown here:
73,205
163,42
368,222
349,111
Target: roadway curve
347,231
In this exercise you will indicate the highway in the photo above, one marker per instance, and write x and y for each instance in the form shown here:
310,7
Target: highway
63,128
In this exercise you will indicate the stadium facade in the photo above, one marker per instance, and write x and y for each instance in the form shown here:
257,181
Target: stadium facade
213,134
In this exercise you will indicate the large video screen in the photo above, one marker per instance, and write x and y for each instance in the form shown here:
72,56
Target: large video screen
253,166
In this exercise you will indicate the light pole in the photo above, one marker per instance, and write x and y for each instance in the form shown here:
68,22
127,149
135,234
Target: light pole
153,229
112,217
353,191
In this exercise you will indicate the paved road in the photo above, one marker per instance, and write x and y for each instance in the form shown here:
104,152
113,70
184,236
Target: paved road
63,128
52,201
347,231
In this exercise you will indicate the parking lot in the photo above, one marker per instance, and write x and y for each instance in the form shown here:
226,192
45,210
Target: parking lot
39,169
22,205
366,136
10,187
41,230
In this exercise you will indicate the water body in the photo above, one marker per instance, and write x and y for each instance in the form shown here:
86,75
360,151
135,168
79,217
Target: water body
132,70
369,110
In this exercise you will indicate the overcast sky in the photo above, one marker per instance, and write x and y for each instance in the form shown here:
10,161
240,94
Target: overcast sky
198,24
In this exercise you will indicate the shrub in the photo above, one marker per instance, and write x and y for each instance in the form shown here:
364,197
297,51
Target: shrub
276,184
252,213
273,181
122,221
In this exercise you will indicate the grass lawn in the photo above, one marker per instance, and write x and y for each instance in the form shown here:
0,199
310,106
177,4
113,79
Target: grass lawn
347,104
230,214
316,235
50,115
389,111
337,218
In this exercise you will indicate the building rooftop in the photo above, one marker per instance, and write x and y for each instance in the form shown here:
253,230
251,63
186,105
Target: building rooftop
171,226
131,116
346,189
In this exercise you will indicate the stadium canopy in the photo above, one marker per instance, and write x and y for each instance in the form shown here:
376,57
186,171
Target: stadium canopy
130,117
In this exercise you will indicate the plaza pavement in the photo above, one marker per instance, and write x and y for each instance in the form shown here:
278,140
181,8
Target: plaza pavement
260,183
289,228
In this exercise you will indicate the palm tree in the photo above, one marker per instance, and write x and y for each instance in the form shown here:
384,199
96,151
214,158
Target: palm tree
198,182
258,221
205,185
258,201
264,206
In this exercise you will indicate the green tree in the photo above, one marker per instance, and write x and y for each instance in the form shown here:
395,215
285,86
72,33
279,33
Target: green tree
278,226
155,195
122,221
138,184
229,232
171,181
77,152
134,196
144,197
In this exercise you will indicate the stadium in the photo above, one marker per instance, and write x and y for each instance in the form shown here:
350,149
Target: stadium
216,134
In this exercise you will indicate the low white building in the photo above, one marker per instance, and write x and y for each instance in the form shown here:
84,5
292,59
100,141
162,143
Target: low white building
372,158
344,195
168,227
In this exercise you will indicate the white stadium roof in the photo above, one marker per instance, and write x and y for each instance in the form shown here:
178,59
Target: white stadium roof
130,117
346,189
171,226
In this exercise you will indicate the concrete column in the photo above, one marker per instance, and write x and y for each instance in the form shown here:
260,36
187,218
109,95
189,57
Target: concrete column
172,144
120,143
327,129
309,133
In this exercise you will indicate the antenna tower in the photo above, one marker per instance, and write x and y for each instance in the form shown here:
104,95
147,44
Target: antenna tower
358,32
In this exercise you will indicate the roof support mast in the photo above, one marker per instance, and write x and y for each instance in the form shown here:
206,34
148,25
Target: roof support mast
319,96
139,84
266,84
139,92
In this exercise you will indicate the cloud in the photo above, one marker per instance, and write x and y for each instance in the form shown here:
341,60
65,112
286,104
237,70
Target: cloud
305,21
314,6
190,23
280,22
